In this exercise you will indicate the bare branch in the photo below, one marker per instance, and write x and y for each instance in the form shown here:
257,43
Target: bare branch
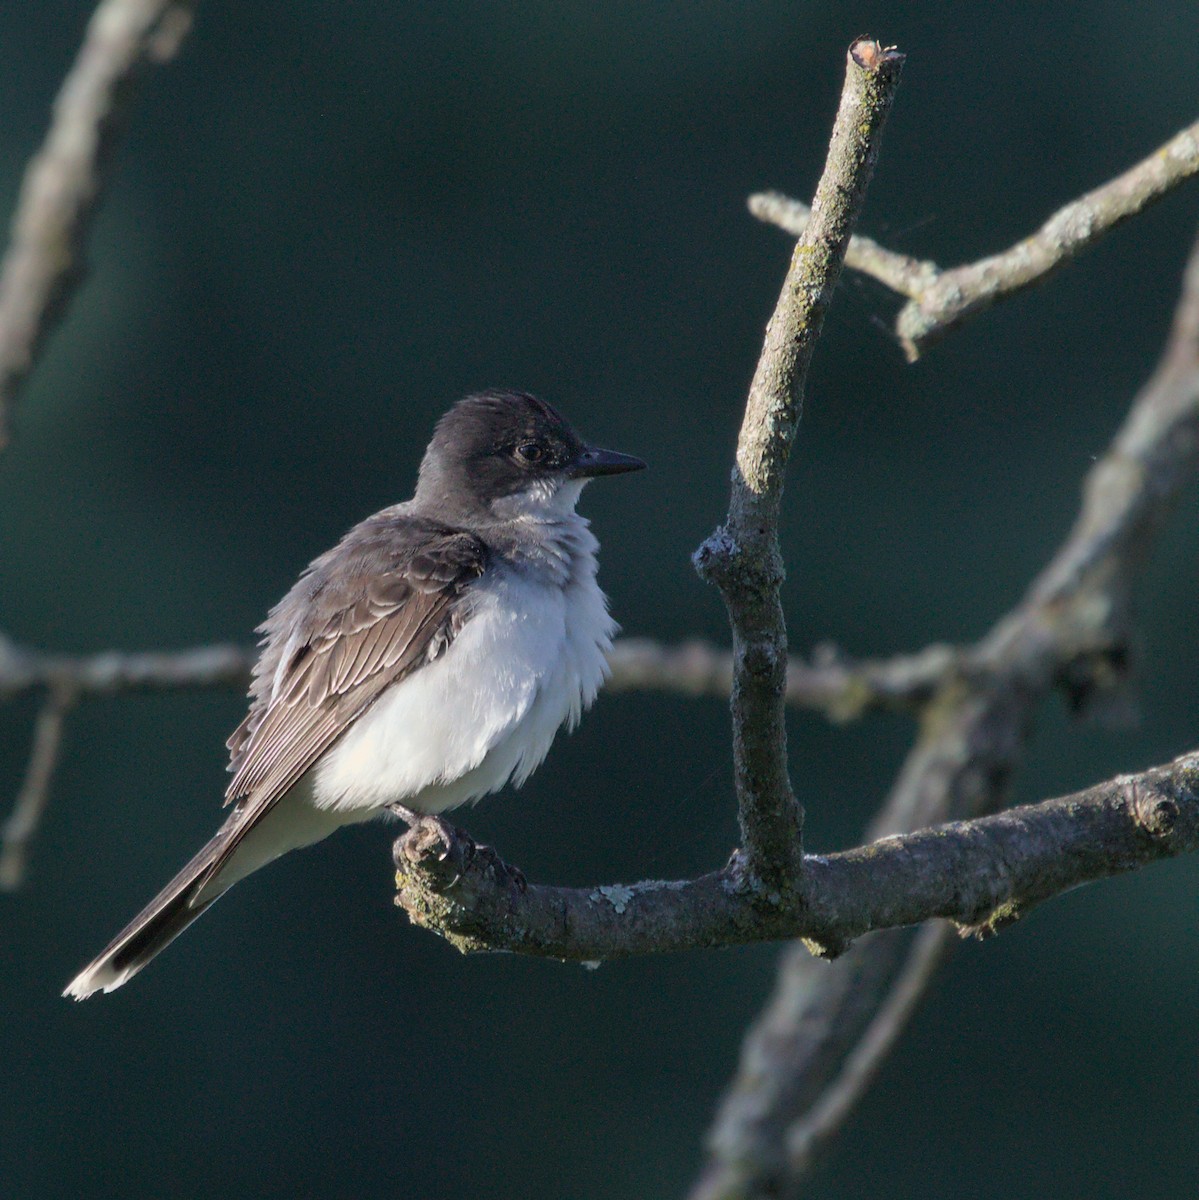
940,300
34,795
1078,606
806,1138
901,273
980,872
1072,630
742,557
63,183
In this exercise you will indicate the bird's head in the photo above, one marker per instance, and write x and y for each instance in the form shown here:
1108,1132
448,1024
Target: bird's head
504,455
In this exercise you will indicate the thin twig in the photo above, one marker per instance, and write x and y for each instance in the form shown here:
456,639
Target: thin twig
34,795
742,557
903,274
940,300
64,181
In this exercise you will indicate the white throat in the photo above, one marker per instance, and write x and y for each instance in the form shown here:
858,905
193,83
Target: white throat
545,501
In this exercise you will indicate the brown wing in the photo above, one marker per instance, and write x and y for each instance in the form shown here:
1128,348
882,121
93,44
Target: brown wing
371,611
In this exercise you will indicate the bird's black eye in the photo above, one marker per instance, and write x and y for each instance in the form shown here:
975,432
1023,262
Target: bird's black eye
530,452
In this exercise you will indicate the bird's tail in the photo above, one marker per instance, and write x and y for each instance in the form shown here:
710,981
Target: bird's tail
154,928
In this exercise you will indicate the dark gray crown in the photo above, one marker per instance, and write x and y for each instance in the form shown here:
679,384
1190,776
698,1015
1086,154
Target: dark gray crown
496,443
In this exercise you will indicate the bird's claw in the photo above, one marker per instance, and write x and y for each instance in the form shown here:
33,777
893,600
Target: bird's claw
426,830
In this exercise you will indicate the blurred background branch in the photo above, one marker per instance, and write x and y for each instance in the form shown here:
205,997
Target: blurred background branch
25,669
64,183
31,800
831,683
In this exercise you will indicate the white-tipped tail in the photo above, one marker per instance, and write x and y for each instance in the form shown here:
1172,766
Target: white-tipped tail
290,824
101,976
153,929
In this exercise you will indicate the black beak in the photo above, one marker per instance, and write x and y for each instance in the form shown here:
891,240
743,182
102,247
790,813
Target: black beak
594,461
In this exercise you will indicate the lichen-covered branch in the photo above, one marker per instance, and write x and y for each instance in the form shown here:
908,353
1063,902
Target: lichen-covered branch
742,557
940,300
63,182
979,874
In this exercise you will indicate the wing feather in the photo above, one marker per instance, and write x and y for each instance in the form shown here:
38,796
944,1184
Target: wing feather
364,616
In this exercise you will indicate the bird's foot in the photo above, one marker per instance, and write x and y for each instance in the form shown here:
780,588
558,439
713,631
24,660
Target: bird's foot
431,835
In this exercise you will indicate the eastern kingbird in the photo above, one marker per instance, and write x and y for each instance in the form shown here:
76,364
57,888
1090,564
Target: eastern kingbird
423,662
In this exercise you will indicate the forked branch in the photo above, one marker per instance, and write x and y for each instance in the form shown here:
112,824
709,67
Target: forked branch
742,557
939,300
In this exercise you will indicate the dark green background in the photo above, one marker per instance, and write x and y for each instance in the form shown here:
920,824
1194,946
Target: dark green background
331,220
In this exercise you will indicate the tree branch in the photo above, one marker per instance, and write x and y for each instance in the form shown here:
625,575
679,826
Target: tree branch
64,181
742,557
25,669
831,682
940,300
34,795
755,1138
980,873
1072,629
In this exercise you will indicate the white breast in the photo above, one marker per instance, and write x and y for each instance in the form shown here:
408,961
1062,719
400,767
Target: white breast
531,657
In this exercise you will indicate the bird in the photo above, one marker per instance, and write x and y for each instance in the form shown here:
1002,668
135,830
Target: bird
426,660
